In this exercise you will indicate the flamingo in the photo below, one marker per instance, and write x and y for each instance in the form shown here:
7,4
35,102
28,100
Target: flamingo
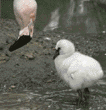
79,71
25,13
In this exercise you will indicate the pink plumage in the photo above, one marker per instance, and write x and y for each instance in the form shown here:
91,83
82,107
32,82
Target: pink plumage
25,13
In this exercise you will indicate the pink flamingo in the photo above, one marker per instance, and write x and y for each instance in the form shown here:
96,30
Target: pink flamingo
25,13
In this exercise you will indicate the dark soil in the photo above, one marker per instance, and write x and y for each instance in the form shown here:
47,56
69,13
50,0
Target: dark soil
32,67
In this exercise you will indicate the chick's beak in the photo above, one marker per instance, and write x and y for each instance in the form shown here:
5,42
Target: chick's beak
56,54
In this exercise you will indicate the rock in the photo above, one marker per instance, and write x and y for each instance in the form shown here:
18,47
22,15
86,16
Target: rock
29,56
3,58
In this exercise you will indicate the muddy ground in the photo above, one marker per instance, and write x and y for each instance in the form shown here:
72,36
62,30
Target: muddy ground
32,68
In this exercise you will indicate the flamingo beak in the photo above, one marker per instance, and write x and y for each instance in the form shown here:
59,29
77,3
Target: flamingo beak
23,40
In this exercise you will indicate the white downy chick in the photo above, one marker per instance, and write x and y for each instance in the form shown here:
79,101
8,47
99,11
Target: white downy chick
79,71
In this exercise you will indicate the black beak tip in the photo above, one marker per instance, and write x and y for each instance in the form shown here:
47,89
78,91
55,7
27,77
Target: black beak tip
23,40
56,54
53,57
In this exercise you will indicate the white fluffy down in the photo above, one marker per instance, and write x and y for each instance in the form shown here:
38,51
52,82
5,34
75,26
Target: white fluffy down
78,70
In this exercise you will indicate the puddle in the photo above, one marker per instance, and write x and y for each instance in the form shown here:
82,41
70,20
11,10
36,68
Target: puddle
64,99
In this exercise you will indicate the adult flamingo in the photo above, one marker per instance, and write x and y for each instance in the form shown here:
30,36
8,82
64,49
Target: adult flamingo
25,14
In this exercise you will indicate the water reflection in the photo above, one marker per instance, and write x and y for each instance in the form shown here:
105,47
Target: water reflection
85,16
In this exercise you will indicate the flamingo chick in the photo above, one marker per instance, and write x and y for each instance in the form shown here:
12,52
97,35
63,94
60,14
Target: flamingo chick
25,13
79,71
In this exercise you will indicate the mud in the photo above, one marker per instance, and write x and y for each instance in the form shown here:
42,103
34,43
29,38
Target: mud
32,68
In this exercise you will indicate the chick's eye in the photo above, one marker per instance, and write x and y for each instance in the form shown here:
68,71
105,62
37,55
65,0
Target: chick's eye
58,49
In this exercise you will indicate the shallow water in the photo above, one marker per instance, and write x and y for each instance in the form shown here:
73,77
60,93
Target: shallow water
63,99
84,16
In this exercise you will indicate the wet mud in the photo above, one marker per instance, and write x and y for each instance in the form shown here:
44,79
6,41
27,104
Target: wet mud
28,78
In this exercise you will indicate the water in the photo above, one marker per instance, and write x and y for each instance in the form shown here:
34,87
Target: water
79,16
63,99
